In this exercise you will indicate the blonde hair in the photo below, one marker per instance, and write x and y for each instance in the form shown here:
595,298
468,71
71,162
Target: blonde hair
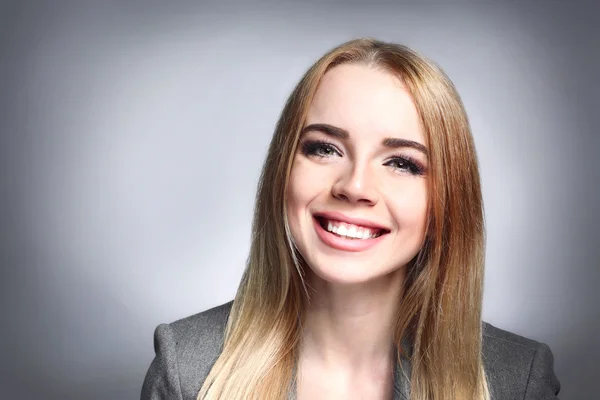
440,310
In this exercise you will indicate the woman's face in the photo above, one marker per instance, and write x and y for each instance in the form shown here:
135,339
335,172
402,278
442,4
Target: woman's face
357,198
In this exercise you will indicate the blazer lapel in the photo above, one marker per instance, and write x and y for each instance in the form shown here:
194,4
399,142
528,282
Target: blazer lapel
402,380
402,371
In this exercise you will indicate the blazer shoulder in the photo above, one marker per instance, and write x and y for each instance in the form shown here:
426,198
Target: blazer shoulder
508,339
199,337
185,351
198,343
518,367
203,327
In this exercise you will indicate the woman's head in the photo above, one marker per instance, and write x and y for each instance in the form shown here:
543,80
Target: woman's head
399,159
374,91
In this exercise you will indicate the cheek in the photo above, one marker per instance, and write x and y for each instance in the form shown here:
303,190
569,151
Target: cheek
410,207
306,183
295,193
299,194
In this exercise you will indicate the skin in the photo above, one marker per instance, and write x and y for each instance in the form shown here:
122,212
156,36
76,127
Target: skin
346,350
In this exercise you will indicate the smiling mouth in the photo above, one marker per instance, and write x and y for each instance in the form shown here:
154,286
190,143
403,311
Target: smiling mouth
349,231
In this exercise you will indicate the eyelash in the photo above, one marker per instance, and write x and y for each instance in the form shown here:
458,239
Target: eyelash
315,148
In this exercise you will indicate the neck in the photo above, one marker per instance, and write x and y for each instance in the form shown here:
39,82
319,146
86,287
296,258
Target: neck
352,325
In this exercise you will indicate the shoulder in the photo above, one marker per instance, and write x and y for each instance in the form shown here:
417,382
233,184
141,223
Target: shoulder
185,352
199,341
518,367
203,330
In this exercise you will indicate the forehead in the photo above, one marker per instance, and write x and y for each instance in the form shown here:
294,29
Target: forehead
366,101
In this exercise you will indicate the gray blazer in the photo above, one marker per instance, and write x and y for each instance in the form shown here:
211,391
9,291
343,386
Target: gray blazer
517,367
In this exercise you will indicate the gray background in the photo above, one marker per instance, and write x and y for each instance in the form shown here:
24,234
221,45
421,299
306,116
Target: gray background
132,136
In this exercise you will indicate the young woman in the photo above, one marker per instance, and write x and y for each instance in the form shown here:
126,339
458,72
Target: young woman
365,273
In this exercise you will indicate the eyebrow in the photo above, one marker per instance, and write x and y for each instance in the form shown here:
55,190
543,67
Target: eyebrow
392,143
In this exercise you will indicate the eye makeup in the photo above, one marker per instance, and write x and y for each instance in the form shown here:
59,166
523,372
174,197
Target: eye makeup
319,148
399,163
404,163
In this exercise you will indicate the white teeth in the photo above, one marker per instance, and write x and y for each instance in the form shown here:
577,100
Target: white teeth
350,231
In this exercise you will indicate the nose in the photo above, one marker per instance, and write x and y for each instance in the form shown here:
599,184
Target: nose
356,185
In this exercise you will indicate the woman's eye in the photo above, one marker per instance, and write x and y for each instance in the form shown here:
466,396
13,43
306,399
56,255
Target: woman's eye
319,149
404,165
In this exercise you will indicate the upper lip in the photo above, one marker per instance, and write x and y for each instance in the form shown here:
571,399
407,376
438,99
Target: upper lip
336,216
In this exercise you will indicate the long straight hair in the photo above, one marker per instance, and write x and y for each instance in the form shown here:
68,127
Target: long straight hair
440,309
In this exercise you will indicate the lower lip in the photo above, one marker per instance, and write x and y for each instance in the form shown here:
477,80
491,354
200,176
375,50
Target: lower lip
340,243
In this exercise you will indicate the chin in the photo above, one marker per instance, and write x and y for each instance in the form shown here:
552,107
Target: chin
349,273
